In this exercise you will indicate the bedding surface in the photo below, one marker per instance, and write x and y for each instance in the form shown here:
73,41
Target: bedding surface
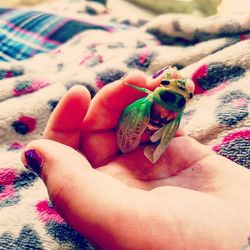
50,48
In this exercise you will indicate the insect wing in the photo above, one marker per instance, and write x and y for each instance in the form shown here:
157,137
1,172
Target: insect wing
157,135
132,124
167,136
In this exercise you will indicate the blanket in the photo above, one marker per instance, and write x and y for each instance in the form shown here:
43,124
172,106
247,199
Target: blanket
48,49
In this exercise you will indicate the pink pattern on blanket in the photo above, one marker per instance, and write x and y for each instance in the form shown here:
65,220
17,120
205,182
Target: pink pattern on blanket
86,58
238,103
26,87
7,177
9,74
144,55
231,137
16,146
24,125
92,56
199,73
47,213
244,37
99,83
215,90
7,193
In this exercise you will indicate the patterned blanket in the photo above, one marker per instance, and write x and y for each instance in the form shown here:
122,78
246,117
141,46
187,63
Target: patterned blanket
47,50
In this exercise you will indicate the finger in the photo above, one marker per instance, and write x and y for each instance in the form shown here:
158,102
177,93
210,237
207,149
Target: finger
180,132
101,148
106,107
90,201
65,121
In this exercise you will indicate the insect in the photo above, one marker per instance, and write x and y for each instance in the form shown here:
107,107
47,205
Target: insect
159,114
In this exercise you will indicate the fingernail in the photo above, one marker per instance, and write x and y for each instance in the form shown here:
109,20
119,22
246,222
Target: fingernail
33,161
125,78
160,72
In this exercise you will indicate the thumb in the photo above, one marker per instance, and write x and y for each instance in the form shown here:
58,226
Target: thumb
87,199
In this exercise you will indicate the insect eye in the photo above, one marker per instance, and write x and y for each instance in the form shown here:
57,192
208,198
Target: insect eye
165,82
181,87
168,97
181,102
181,84
191,95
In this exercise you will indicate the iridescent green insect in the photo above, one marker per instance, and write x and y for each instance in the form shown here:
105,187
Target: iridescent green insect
159,114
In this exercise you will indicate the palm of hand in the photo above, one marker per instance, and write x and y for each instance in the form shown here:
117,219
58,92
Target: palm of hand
185,197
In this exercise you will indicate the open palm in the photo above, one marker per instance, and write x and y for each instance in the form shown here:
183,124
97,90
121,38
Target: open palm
190,199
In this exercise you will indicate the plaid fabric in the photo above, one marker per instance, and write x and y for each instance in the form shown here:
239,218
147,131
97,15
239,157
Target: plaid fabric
26,33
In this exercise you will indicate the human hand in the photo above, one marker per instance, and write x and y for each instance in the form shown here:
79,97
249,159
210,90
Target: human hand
190,199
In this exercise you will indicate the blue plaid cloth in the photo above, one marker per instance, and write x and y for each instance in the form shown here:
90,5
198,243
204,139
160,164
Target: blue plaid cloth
24,33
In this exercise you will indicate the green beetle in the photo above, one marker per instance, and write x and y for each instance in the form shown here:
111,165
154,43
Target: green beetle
159,114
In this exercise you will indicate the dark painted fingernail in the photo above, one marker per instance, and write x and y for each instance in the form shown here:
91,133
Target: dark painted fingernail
160,72
33,161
